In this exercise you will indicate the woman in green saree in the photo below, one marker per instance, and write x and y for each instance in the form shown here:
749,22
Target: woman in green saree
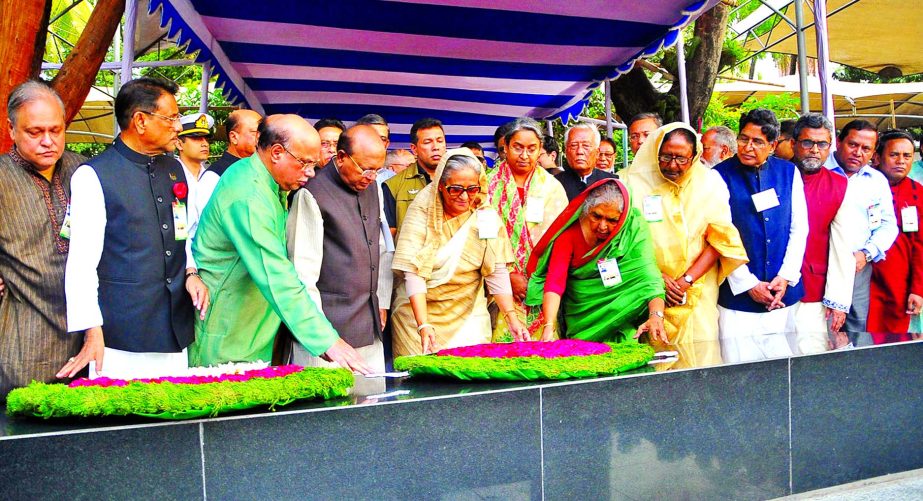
594,270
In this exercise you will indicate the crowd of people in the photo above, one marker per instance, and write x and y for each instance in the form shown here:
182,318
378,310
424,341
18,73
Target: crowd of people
317,245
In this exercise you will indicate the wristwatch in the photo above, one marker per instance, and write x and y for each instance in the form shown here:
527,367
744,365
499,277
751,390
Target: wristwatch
868,256
688,279
657,314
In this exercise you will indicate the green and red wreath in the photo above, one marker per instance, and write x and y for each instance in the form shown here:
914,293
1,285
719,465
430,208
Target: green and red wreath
529,361
184,397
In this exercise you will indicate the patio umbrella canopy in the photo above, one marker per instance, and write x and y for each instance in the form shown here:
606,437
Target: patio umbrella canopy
850,100
868,34
473,64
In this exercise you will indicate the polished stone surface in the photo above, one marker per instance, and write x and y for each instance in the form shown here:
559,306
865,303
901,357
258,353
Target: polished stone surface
476,447
856,414
159,462
709,434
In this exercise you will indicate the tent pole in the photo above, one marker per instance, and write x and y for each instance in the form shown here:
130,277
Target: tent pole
802,58
681,69
625,148
823,57
206,76
128,40
608,109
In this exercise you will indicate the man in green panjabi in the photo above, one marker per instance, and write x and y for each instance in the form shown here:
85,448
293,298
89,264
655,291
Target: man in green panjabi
241,253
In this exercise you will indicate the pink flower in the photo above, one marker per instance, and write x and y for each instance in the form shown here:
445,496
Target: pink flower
268,372
553,349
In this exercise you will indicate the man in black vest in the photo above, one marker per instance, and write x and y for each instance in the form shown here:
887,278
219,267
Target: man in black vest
130,267
350,211
241,127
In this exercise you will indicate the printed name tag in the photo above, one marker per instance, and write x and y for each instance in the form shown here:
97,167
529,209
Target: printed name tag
765,200
488,224
874,214
609,272
180,224
653,208
535,210
66,225
910,219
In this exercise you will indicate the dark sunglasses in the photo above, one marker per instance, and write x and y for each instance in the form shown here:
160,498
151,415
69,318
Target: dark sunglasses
455,190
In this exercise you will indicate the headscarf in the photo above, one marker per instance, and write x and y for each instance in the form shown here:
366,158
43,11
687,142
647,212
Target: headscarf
425,230
698,186
590,310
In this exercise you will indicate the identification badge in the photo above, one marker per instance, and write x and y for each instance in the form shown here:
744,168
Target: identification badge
609,272
910,219
66,225
653,208
535,210
180,224
765,200
874,214
488,224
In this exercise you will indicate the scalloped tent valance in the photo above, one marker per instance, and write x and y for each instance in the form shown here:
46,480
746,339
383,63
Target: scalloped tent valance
474,64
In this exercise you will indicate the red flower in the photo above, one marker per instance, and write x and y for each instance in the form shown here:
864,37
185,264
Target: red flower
180,190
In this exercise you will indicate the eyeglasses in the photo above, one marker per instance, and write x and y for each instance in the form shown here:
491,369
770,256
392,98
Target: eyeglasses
517,149
369,174
743,141
305,164
807,144
174,119
606,155
328,144
666,159
455,190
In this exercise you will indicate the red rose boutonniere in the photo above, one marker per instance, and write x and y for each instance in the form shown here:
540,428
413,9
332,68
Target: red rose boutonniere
180,190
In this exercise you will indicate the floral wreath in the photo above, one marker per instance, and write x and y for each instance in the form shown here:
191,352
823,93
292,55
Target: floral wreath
179,397
529,361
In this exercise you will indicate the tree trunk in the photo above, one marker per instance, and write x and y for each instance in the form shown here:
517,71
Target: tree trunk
702,68
76,77
632,93
23,27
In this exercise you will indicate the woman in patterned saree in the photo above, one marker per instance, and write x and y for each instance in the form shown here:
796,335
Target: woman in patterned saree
595,266
528,200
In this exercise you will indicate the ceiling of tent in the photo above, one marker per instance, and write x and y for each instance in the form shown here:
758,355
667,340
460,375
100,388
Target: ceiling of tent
868,34
850,100
474,64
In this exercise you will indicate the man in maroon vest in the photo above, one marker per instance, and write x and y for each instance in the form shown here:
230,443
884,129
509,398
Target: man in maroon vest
828,269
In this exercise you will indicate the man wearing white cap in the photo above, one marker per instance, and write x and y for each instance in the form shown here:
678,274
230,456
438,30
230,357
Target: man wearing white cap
192,149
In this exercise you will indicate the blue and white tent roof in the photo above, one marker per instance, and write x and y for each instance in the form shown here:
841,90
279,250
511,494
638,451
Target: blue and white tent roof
474,64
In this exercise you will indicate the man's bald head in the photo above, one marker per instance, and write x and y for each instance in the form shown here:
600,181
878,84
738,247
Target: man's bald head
242,128
290,148
360,154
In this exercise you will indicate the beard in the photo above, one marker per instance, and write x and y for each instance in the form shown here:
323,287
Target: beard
811,165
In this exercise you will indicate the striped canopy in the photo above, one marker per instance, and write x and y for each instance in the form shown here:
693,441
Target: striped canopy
473,64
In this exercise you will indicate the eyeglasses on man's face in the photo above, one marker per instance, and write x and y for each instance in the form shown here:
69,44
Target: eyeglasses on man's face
174,119
369,174
305,164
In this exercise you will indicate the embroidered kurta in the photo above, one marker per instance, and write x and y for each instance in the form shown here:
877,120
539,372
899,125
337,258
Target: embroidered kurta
900,273
512,203
685,217
241,252
34,343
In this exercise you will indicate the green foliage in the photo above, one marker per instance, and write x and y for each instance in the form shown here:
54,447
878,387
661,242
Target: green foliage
88,150
853,74
719,113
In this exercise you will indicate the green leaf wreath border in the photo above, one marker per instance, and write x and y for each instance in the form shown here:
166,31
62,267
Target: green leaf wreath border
177,401
623,357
